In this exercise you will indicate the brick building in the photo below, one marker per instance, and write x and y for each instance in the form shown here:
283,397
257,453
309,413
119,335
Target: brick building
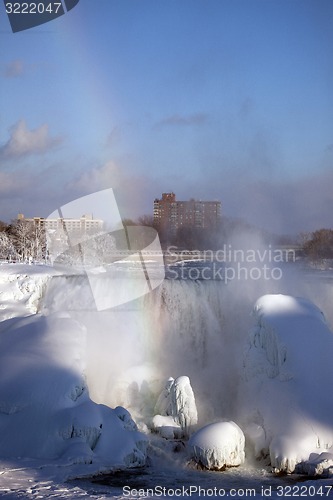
171,215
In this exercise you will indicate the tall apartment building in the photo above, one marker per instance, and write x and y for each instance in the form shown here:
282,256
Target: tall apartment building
170,214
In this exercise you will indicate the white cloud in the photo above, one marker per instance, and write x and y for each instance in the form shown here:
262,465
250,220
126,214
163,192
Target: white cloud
107,175
23,142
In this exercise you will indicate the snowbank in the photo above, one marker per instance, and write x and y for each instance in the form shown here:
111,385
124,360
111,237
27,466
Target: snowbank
218,445
21,288
287,366
45,408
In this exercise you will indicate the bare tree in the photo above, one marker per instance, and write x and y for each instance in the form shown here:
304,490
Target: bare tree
80,250
29,240
56,243
319,244
129,222
7,249
146,220
3,226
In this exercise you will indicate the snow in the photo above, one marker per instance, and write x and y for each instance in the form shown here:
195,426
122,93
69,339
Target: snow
164,402
317,465
64,366
21,288
167,427
183,404
177,403
218,445
287,365
45,408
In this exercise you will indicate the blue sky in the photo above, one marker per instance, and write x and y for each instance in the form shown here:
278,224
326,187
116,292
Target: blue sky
212,99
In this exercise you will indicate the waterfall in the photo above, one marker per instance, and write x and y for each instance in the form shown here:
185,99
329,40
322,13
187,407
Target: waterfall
183,327
197,333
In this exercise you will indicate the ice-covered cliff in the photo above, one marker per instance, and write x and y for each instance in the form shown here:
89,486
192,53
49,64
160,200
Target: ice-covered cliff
287,369
45,407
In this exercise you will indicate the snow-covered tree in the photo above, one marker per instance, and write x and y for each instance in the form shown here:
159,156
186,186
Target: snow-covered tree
29,240
80,249
7,249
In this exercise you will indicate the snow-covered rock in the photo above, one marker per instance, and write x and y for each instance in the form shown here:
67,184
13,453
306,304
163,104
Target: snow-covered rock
218,445
125,416
167,427
287,365
176,401
317,465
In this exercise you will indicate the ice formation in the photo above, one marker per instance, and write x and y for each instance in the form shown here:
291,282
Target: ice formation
45,408
175,411
167,427
218,445
62,372
184,409
287,366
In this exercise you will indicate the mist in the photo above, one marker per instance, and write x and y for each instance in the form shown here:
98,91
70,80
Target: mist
263,372
197,328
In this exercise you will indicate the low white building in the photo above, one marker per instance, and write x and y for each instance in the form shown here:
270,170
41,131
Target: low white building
85,224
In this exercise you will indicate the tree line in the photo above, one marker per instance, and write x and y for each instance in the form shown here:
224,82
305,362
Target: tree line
318,245
24,241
